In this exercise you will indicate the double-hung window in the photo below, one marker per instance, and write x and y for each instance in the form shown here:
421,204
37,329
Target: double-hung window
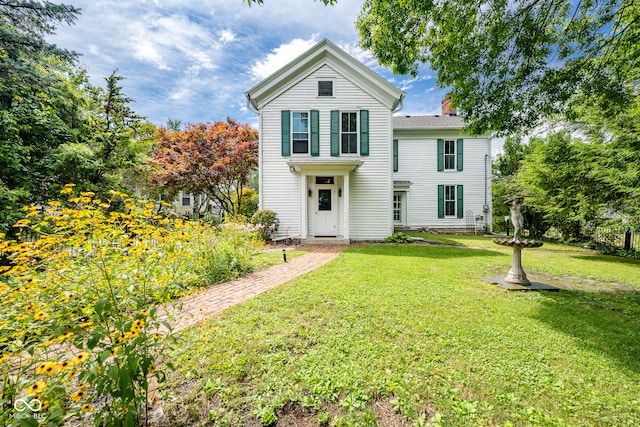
349,132
300,132
450,200
449,155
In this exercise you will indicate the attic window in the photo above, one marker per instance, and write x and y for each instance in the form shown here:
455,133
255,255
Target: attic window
325,88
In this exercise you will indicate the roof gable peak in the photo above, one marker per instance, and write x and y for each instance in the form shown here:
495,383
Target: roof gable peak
323,53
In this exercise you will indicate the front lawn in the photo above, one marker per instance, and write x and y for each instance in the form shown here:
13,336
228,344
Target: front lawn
395,335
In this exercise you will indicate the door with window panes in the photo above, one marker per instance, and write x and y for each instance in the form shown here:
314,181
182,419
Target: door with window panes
325,222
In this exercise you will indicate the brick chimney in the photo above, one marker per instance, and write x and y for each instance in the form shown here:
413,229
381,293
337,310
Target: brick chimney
447,108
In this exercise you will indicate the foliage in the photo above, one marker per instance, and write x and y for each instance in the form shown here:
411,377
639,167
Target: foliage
398,238
268,223
570,184
34,118
249,202
215,159
228,254
55,127
81,331
413,326
510,64
506,186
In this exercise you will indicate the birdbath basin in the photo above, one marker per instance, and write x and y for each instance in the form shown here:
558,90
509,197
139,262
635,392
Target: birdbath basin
516,275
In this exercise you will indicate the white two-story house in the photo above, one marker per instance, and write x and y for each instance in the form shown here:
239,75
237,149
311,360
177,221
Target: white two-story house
334,162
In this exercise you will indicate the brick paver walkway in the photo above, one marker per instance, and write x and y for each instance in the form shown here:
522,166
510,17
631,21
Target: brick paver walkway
209,302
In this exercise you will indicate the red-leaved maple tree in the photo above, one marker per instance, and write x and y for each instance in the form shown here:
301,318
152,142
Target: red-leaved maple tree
213,159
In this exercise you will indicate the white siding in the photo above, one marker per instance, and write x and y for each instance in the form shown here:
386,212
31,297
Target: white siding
418,163
371,185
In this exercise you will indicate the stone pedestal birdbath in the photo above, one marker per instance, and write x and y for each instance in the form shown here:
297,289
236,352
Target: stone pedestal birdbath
516,278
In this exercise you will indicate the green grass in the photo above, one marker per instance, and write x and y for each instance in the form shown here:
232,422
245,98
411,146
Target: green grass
413,327
274,257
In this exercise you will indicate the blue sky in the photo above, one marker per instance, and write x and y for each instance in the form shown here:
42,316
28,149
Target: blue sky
193,60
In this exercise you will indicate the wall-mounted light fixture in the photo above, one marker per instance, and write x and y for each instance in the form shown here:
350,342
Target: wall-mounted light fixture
339,192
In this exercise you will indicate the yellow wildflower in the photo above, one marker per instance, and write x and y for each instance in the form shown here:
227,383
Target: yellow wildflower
41,315
48,368
54,203
113,352
151,369
78,395
36,388
64,365
4,357
82,357
86,407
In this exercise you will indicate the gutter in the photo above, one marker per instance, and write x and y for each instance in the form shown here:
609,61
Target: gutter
250,104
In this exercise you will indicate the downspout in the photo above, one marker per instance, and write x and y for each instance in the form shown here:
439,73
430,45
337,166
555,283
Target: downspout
486,206
252,107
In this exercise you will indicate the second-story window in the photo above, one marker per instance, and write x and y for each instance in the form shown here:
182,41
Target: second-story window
449,155
349,133
325,88
300,132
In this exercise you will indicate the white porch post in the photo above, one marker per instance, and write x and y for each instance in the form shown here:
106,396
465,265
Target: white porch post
304,228
345,205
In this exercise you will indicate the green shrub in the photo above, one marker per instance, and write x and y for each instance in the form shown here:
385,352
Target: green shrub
398,238
228,254
267,223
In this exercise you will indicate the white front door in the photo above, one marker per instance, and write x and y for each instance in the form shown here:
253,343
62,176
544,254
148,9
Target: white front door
325,214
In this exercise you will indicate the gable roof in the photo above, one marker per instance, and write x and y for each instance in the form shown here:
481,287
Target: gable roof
324,53
427,122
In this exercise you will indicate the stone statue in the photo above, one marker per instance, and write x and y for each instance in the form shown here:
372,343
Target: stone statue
516,216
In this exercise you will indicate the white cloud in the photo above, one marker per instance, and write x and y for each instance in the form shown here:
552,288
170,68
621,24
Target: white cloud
281,56
226,36
145,51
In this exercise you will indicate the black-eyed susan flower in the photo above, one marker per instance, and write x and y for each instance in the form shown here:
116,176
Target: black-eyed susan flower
113,352
82,357
87,407
36,388
41,315
64,365
78,395
151,369
47,368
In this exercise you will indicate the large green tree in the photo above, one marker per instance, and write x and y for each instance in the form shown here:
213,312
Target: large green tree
35,117
55,127
509,64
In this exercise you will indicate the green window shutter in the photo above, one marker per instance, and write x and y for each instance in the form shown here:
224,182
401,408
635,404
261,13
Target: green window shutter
395,155
460,201
364,132
286,132
315,133
440,201
440,155
335,133
459,154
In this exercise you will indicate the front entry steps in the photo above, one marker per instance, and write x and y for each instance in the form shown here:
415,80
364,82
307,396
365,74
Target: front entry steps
338,241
